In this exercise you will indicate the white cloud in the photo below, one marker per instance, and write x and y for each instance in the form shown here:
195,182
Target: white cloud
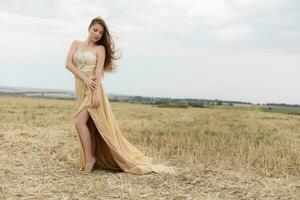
253,3
235,32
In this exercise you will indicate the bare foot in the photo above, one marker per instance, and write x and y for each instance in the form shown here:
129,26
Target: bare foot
89,165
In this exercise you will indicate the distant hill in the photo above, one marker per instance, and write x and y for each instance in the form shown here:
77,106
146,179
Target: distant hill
47,93
164,102
36,92
69,94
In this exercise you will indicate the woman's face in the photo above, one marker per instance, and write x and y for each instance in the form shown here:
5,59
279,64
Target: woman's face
96,32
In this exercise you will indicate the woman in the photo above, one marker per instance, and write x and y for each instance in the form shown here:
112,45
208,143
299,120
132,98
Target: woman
101,141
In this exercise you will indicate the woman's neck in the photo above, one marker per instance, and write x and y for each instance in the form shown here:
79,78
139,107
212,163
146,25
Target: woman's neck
89,43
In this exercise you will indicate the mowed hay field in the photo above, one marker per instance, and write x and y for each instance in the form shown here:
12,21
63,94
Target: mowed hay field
220,153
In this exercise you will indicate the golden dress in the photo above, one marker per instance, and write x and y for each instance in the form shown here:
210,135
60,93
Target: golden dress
113,150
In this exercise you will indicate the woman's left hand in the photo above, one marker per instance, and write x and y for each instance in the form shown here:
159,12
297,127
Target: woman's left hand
96,98
96,78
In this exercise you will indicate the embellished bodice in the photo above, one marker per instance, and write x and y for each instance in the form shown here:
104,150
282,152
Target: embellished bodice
85,61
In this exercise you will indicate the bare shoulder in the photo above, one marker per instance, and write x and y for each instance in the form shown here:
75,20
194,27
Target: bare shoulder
101,49
76,43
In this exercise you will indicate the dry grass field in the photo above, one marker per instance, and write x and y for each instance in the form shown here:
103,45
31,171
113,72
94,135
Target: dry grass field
219,152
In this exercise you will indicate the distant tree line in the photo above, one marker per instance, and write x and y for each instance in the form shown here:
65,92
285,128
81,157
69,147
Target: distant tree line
176,102
163,102
282,104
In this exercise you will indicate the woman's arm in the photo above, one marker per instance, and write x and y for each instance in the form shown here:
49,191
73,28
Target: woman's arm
100,64
69,63
71,67
98,73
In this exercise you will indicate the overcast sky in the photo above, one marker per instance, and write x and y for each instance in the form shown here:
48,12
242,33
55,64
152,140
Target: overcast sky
243,50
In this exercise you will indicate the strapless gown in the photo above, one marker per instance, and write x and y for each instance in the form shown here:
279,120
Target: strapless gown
113,150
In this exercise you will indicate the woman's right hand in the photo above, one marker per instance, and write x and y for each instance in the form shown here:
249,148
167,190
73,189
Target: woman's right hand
89,82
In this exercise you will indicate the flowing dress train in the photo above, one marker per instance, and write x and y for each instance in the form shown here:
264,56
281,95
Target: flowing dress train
113,150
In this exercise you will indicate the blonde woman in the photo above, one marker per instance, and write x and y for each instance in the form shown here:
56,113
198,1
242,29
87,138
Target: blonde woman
101,141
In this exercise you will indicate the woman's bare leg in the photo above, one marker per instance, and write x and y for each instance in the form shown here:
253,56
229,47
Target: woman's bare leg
93,130
85,135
